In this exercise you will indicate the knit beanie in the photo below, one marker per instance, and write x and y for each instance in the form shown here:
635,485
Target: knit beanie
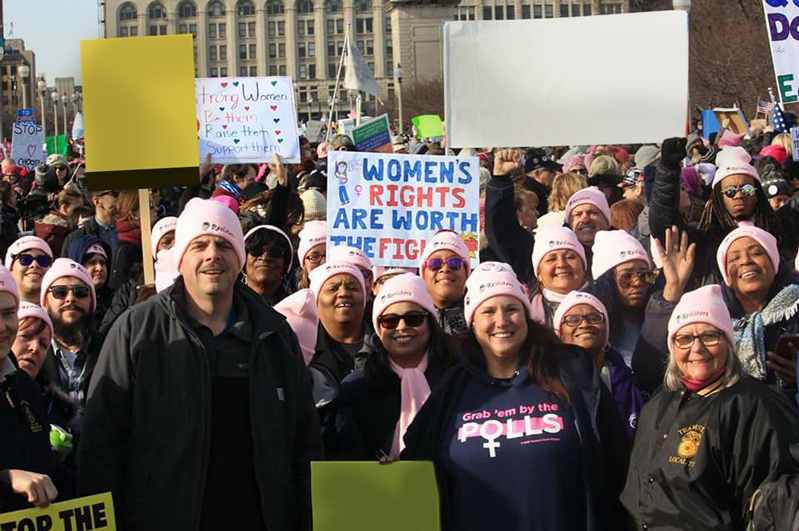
95,248
552,238
704,305
352,255
228,201
160,229
315,204
445,240
402,288
312,234
778,153
64,267
765,239
8,284
26,243
379,272
276,230
206,217
300,311
730,139
591,195
734,161
575,298
614,247
493,279
330,269
28,309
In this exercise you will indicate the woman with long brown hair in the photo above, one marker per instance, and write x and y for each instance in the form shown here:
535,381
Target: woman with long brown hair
522,433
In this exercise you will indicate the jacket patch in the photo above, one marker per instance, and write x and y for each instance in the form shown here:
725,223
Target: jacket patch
33,424
690,441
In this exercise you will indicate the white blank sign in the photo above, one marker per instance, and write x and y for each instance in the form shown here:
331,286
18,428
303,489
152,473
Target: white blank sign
569,81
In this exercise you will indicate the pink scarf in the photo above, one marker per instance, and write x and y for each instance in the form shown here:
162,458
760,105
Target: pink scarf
414,392
696,385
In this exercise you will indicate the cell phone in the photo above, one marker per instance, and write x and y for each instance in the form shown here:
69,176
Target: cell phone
782,347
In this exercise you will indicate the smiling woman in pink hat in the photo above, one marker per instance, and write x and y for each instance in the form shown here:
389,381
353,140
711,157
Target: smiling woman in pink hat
444,266
28,259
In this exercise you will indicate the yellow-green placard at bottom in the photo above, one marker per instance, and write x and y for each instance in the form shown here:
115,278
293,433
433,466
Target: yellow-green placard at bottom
92,512
368,496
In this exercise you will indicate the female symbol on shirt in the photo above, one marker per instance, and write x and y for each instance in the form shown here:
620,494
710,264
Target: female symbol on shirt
491,445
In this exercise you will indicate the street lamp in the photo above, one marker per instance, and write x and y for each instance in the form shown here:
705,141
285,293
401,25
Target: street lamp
64,100
75,100
55,96
398,73
42,86
310,107
24,72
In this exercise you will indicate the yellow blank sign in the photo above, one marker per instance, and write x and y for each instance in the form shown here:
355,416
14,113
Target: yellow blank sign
139,112
368,496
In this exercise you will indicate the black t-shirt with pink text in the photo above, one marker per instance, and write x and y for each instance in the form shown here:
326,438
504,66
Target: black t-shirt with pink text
513,460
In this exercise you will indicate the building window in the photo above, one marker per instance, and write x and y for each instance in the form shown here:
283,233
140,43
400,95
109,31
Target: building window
340,26
214,72
312,71
187,10
576,10
511,12
537,11
363,6
222,31
311,49
243,71
464,13
271,29
549,11
304,6
301,28
212,53
587,10
242,51
499,12
334,6
123,31
127,12
282,70
251,49
223,72
370,48
216,9
251,29
281,50
183,29
487,12
273,51
246,8
388,21
156,10
331,71
564,10
242,30
134,31
153,30
223,52
281,28
274,7
331,48
331,26
253,71
272,70
303,72
526,11
301,49
310,25
212,31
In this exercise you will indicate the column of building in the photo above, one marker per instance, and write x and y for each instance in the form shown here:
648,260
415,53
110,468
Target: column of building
202,42
320,38
379,27
260,39
291,39
232,43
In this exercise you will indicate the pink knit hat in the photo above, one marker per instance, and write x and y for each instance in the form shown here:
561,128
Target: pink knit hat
8,284
28,309
492,279
553,238
300,311
96,248
614,247
402,288
734,161
575,298
312,234
160,229
64,267
275,230
26,243
326,271
765,239
321,150
203,217
591,195
228,201
704,305
778,153
571,162
379,272
353,255
445,240
730,139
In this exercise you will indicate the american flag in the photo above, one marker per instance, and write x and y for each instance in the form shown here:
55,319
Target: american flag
777,119
764,107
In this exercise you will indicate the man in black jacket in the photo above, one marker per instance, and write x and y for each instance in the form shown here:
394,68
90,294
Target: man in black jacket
103,225
200,412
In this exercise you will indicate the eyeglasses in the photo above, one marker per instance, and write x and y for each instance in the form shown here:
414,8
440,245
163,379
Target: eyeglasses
575,320
60,292
748,190
60,168
274,252
27,259
315,258
708,339
581,171
453,262
390,321
625,279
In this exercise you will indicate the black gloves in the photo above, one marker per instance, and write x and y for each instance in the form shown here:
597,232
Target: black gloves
672,153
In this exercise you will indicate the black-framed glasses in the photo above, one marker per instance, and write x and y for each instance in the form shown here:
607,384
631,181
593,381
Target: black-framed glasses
708,339
582,171
272,252
26,259
61,292
315,258
390,321
576,320
626,279
748,190
453,262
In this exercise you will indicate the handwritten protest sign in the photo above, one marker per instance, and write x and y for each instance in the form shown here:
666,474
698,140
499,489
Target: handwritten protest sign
555,94
373,136
26,145
428,126
389,206
346,126
312,130
366,496
247,119
782,18
92,512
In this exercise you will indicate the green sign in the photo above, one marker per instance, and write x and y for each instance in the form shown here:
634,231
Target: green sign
374,135
62,144
428,126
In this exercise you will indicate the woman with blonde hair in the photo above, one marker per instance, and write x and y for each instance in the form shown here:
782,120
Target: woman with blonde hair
784,140
564,186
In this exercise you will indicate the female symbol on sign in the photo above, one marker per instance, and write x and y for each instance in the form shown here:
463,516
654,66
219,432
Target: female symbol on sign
358,190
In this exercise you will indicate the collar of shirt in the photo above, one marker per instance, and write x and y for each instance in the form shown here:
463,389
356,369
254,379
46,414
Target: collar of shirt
238,323
7,368
103,226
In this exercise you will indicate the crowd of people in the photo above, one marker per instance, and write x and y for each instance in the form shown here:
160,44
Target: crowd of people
623,354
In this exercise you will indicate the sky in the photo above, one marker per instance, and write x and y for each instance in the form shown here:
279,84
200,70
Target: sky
53,29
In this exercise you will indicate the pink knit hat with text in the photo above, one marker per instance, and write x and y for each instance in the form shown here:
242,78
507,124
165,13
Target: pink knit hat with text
379,272
299,309
276,231
312,234
353,255
64,267
26,243
28,309
206,217
493,279
402,288
734,161
95,248
591,195
553,238
160,229
765,239
576,298
445,240
730,139
8,284
704,305
328,270
614,247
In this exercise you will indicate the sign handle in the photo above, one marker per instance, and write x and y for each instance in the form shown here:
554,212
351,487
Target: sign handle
146,236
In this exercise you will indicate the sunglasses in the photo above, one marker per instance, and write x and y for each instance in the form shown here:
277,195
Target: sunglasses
272,252
60,292
453,262
390,321
708,339
27,259
574,321
626,279
580,172
748,190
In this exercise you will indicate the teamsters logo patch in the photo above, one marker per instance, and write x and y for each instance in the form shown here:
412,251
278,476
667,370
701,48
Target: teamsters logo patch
688,447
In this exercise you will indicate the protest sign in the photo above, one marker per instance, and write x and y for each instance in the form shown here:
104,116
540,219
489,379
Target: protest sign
373,136
77,126
710,123
346,126
365,496
139,112
61,144
312,130
732,119
782,18
540,106
26,145
428,126
247,119
92,512
389,206
795,143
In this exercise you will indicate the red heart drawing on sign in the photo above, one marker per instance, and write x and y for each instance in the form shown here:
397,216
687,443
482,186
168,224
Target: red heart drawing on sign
277,132
224,127
224,85
273,107
246,108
